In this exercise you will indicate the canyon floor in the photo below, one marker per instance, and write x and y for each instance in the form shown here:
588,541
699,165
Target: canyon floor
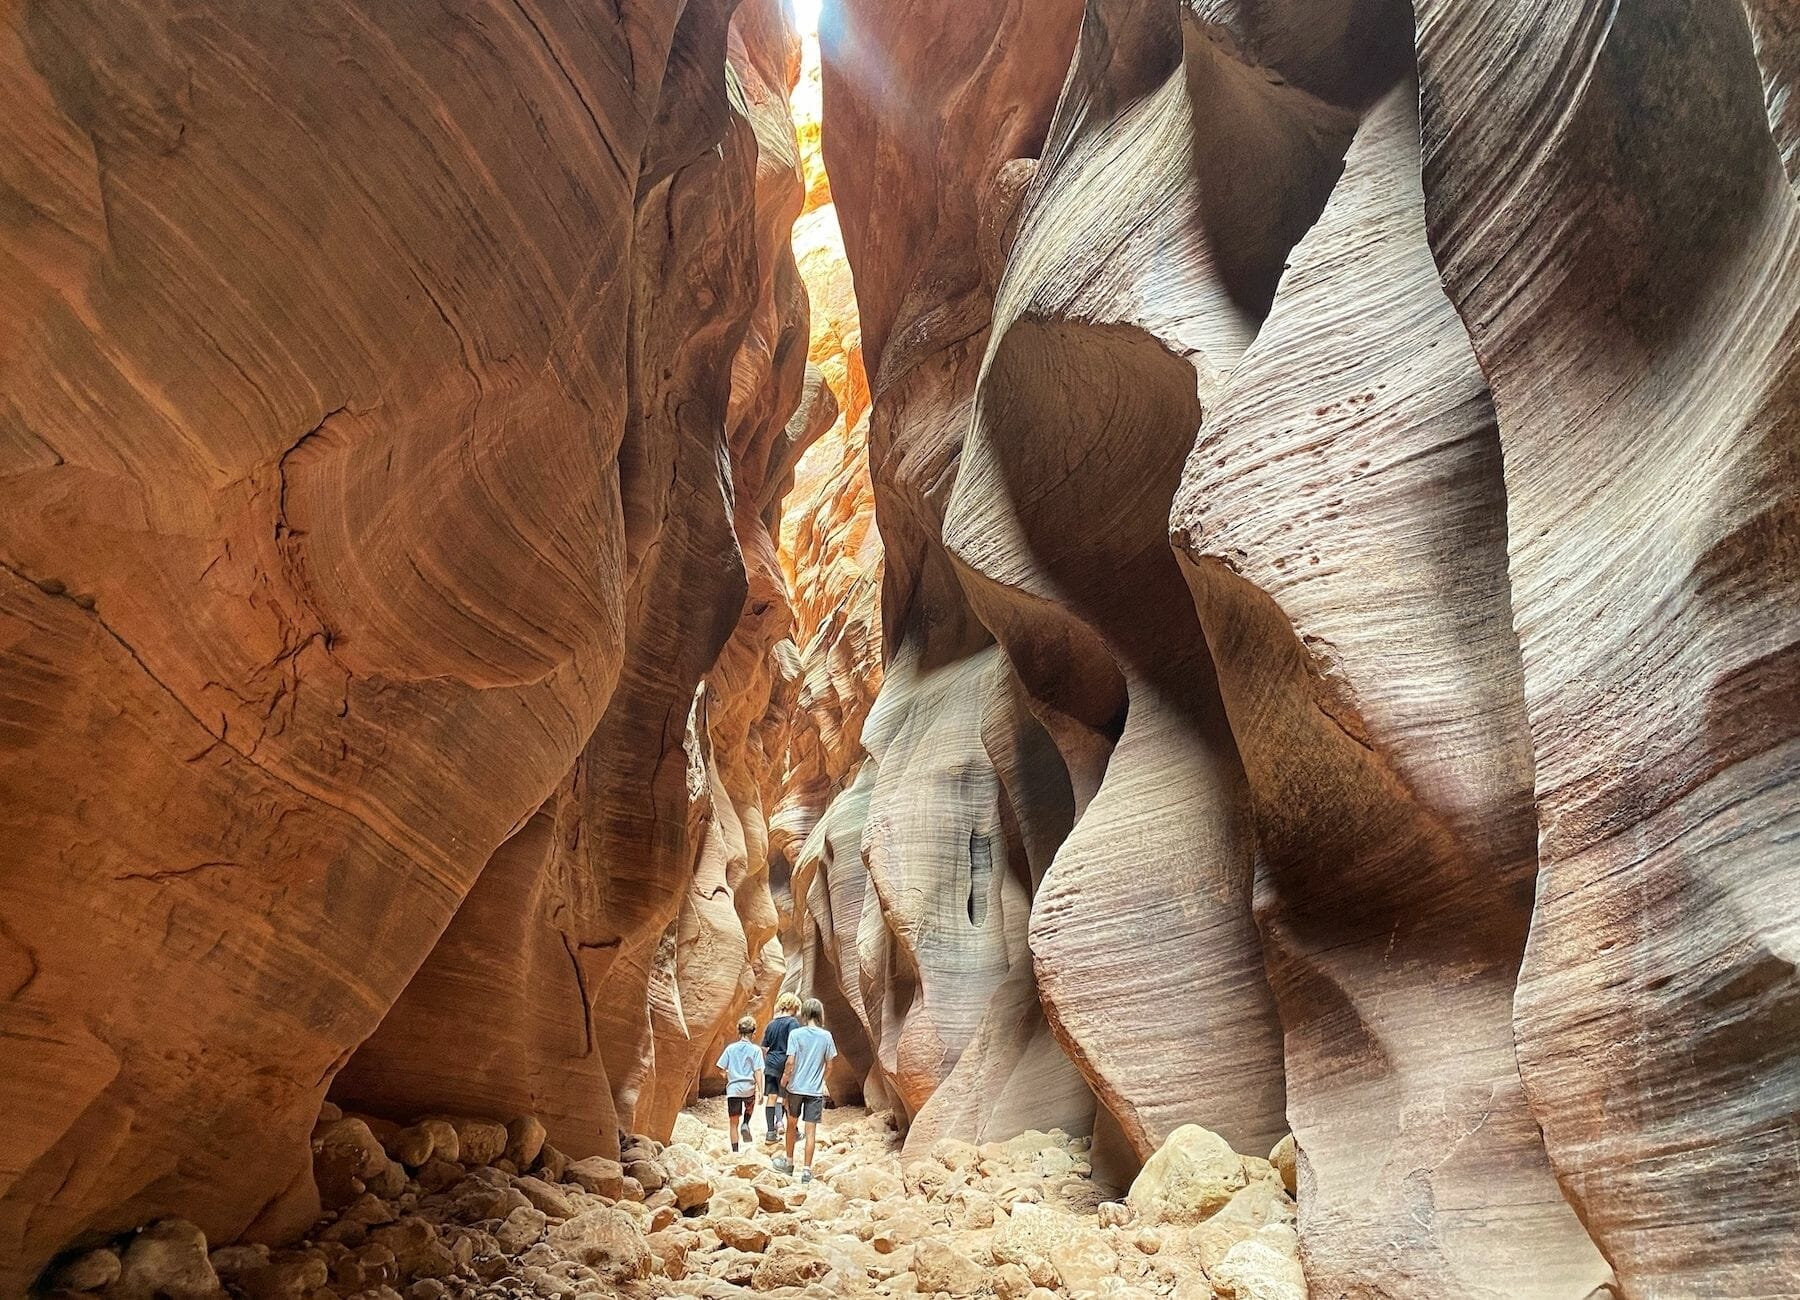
440,1209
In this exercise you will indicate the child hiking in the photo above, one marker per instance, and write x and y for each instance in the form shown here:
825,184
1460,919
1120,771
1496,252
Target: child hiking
809,1048
775,1052
742,1062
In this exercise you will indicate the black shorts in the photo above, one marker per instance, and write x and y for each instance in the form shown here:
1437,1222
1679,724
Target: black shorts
801,1106
736,1106
772,1086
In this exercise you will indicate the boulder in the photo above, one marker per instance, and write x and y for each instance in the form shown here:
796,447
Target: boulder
418,1252
166,1261
548,1197
647,1172
411,1146
686,1174
1264,1267
521,1229
1190,1178
1031,1232
607,1240
739,1233
438,1135
89,1271
865,1183
1250,1209
939,1266
345,1153
524,1142
1010,1282
437,1174
478,1141
1084,1261
789,1262
668,1252
1285,1158
552,1163
734,1197
598,1175
367,1266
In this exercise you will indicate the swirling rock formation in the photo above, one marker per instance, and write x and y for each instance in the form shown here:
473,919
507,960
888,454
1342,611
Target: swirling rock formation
1468,647
1353,465
1086,410
642,937
1627,261
368,378
938,922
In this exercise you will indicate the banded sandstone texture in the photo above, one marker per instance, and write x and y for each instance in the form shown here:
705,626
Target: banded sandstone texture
1434,797
396,406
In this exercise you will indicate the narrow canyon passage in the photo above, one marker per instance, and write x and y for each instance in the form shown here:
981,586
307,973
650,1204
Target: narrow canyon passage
1214,579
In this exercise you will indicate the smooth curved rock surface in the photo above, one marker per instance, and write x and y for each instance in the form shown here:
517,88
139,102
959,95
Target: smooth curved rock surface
953,102
1631,282
268,484
642,924
1353,467
1089,397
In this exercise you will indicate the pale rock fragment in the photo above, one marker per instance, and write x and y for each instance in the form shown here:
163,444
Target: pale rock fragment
598,1175
166,1261
1192,1175
524,1141
1263,1267
606,1240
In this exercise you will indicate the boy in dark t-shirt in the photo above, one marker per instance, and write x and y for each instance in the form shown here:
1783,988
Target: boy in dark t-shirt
775,1044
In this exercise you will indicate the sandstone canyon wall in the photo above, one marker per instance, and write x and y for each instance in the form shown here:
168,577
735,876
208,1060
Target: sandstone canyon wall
397,407
1417,798
921,872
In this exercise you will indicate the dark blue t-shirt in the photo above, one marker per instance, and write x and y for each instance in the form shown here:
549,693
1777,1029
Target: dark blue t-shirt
775,1043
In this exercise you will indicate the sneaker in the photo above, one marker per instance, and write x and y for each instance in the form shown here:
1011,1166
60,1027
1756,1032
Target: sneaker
772,1138
782,1165
806,1175
744,1133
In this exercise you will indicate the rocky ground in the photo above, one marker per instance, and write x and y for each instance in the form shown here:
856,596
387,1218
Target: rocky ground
455,1208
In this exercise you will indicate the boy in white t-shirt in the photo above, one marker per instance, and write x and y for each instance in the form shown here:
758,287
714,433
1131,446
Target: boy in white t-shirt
742,1062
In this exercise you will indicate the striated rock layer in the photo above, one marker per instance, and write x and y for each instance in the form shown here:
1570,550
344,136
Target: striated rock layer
1352,466
1631,284
919,875
648,934
1430,797
382,390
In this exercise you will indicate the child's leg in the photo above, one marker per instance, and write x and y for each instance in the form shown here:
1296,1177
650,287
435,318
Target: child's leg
731,1123
812,1137
793,1131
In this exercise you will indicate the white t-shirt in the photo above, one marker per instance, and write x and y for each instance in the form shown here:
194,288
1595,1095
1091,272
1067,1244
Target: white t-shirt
809,1048
741,1061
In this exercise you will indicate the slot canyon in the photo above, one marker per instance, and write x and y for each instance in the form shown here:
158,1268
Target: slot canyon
1217,580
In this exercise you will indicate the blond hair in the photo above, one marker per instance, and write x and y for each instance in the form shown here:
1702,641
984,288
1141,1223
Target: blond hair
747,1025
813,1012
787,1004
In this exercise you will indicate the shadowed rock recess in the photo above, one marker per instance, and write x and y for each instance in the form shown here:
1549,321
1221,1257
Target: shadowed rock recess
1226,585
